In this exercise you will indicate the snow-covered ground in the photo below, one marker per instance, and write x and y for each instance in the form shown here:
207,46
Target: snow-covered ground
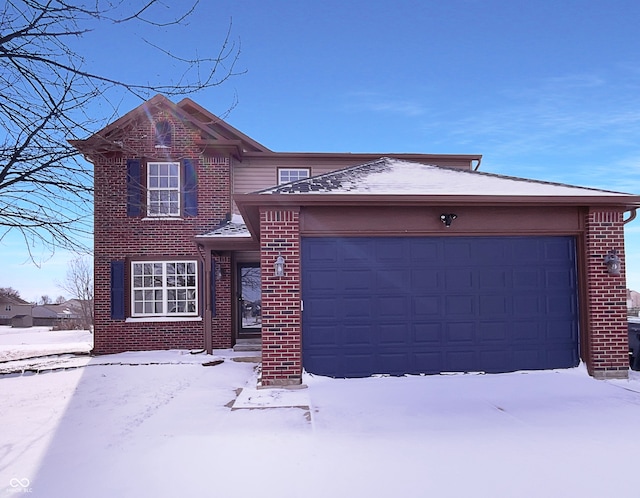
160,424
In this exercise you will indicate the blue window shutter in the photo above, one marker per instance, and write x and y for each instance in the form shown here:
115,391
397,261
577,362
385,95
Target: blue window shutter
190,188
212,283
134,187
117,290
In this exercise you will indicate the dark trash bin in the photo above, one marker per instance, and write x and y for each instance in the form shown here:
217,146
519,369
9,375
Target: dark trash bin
634,345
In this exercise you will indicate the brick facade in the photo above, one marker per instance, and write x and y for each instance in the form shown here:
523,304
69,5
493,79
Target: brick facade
211,146
607,348
221,325
120,237
281,314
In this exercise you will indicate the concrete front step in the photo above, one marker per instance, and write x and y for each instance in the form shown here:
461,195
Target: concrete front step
248,345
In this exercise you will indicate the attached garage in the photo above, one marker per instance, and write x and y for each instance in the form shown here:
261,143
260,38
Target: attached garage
409,305
395,267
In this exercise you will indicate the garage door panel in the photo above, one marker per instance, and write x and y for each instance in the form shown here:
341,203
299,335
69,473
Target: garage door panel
458,251
394,363
425,280
561,331
527,332
489,279
456,333
322,309
493,360
355,280
356,335
319,336
392,308
425,250
528,305
559,305
427,333
435,304
526,278
356,308
491,332
459,306
426,306
358,365
461,361
323,281
458,279
495,305
428,362
393,334
396,279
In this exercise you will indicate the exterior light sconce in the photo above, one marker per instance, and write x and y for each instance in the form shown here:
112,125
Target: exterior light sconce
447,218
612,261
219,273
279,266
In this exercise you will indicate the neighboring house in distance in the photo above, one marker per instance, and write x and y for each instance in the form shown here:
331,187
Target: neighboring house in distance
347,264
633,302
11,307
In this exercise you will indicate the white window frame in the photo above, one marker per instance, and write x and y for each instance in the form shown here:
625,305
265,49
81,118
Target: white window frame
162,184
285,174
158,287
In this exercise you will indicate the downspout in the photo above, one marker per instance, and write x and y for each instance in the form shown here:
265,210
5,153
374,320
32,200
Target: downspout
632,216
477,165
208,345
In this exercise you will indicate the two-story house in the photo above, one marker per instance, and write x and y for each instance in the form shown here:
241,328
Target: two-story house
347,264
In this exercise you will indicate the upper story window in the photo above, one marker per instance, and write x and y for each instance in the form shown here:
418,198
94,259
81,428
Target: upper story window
163,134
286,175
163,189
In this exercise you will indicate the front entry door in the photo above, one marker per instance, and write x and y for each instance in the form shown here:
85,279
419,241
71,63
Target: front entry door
249,300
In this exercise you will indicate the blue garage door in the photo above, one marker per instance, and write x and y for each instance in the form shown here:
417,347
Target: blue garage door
401,305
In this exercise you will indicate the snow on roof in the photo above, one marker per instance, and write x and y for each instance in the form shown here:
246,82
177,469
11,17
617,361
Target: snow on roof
387,176
232,228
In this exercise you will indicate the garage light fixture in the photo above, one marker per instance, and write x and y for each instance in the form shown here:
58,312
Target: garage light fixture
612,261
279,266
447,218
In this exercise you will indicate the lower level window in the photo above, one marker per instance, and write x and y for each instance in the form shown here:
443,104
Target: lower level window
164,288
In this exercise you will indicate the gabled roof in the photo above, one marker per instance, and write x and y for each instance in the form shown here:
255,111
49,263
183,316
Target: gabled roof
6,299
395,182
214,131
389,176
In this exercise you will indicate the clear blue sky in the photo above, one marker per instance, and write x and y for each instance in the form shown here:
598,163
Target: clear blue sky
543,89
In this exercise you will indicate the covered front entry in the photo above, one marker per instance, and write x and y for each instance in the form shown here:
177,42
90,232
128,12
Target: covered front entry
249,309
399,305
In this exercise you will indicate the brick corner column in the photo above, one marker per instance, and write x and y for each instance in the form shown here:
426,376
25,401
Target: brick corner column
281,314
607,339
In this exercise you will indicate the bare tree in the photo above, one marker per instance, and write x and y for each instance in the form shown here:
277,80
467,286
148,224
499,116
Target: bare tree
45,299
60,300
10,292
45,87
78,283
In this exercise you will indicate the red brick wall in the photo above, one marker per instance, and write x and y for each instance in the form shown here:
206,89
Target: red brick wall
117,236
281,318
221,323
607,339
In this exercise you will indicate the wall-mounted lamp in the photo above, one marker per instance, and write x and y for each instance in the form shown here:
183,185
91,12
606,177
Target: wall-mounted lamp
612,261
218,272
279,266
447,218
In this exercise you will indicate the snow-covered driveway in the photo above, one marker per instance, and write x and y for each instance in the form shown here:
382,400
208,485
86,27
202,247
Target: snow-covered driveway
162,425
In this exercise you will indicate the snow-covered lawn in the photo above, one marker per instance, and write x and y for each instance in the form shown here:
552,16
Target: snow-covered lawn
160,424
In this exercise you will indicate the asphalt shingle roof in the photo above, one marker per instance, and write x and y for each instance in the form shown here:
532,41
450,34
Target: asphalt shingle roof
388,176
